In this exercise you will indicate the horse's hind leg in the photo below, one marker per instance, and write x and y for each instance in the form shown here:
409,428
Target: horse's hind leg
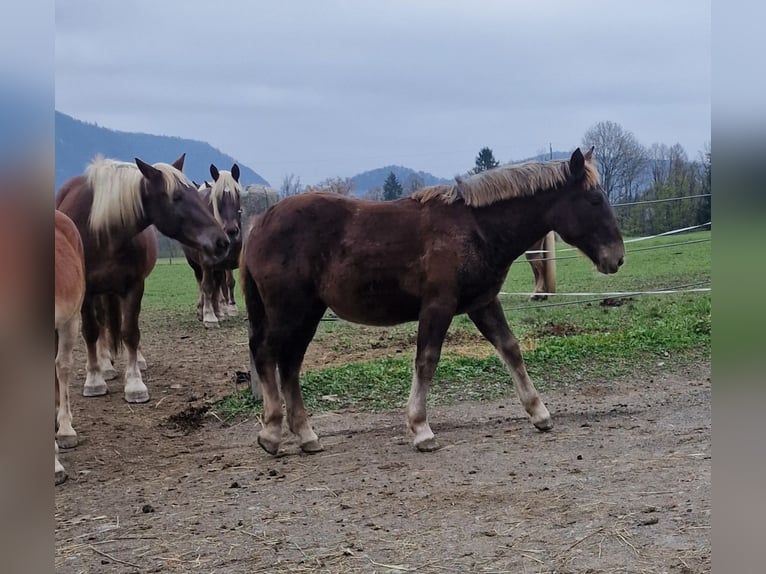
67,336
103,346
432,328
491,322
95,385
135,389
290,358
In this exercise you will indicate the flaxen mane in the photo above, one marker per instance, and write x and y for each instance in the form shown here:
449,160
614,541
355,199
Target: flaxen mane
116,189
224,184
506,182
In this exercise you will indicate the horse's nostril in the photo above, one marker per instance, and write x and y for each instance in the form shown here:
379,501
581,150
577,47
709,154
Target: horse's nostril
221,245
232,232
621,261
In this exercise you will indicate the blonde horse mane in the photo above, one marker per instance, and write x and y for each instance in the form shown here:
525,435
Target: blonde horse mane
506,182
224,184
116,189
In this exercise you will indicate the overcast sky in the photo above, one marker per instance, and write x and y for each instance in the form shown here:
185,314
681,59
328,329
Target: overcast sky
332,88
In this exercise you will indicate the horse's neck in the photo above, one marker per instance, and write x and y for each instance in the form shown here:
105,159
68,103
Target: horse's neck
513,225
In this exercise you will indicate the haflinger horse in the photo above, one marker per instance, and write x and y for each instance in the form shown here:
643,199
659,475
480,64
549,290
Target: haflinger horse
541,256
113,206
69,294
443,251
223,201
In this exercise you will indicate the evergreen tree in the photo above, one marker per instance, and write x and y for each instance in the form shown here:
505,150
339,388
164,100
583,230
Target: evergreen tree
485,160
392,189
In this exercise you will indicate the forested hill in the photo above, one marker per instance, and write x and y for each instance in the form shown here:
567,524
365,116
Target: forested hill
78,142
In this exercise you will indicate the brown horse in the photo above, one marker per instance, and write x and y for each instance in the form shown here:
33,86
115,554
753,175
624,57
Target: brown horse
69,293
223,201
113,205
443,251
543,262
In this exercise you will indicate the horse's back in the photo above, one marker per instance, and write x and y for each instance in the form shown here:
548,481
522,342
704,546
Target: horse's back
69,268
362,259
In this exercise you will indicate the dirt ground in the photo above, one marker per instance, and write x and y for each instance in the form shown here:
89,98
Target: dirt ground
622,483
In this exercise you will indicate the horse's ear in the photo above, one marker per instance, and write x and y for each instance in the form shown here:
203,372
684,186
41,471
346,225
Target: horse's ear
148,171
235,172
208,185
179,163
195,184
214,172
589,154
577,164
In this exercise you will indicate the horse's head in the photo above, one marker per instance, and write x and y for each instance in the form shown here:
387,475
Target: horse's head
584,218
175,207
225,197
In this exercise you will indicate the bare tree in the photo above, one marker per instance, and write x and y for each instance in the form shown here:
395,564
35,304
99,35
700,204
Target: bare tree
291,185
413,183
375,194
621,158
339,185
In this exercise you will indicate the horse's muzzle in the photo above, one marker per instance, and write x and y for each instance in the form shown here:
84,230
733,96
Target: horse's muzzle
220,248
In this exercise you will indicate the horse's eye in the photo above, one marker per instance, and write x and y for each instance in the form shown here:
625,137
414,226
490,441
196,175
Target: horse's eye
178,195
596,199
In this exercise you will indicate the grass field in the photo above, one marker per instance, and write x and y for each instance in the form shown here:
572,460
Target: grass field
582,341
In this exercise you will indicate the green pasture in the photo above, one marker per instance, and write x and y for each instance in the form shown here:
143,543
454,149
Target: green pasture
581,342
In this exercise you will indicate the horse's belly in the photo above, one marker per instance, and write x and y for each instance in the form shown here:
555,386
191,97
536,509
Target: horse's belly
374,308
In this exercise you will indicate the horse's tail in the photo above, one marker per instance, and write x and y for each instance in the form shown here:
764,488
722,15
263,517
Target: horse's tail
549,262
256,316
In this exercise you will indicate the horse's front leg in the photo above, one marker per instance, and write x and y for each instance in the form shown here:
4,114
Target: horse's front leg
209,293
135,389
67,337
229,290
95,385
433,323
491,322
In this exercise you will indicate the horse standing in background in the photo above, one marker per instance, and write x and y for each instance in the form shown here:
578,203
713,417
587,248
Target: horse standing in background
543,262
443,251
113,205
215,281
69,270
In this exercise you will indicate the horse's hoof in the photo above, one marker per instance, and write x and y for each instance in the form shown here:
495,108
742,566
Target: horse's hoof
66,441
270,446
211,324
538,298
428,445
61,476
544,425
233,312
312,447
96,390
137,396
109,374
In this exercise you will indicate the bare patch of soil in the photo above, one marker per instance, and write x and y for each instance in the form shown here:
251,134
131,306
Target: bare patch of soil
621,484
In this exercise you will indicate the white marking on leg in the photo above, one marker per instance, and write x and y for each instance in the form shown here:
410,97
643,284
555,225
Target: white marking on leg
209,318
105,357
95,385
141,360
417,419
526,391
59,473
135,389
